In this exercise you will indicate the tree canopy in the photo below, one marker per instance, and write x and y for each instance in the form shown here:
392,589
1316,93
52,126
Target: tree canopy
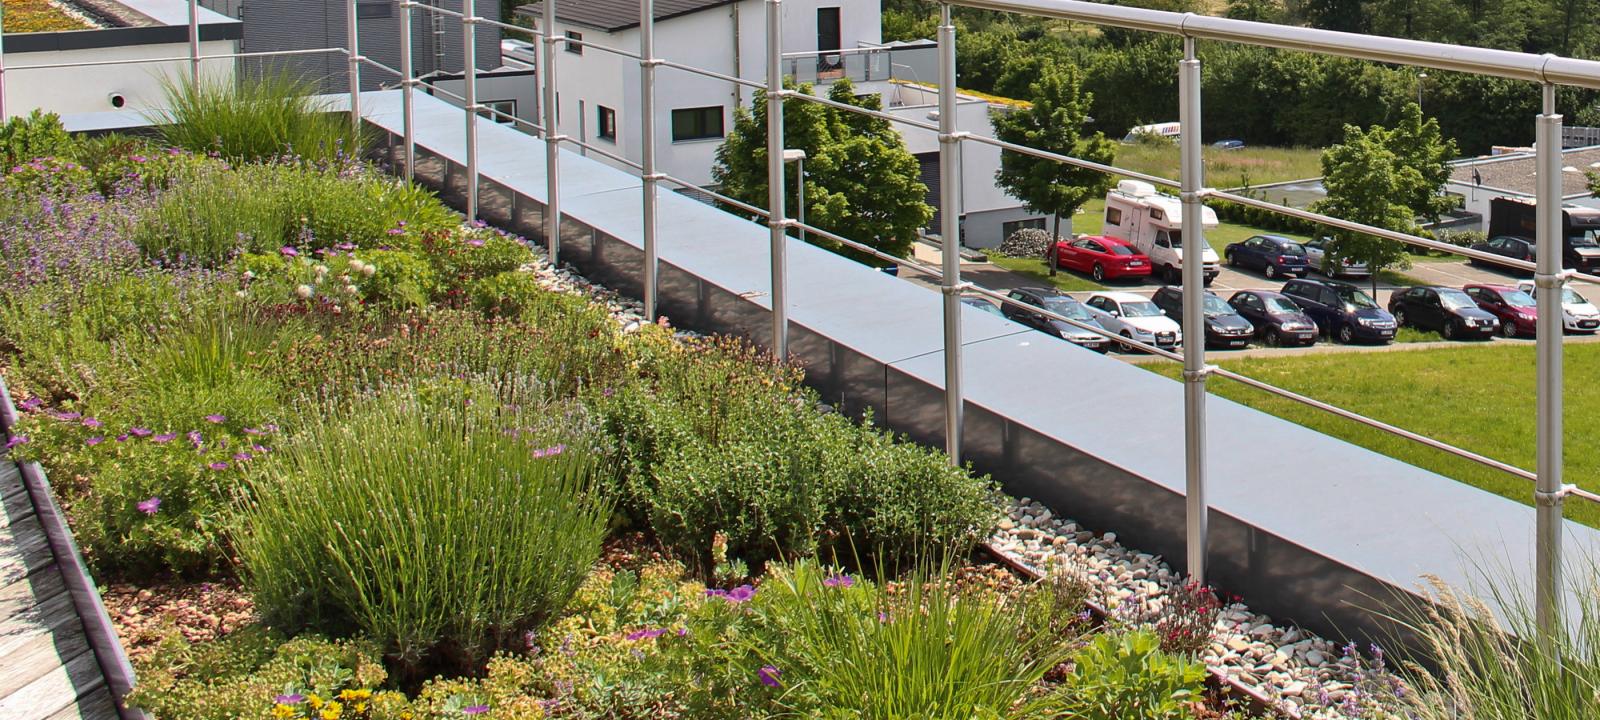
860,182
1055,122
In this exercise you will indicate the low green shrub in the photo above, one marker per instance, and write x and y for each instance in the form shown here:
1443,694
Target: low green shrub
260,118
442,519
37,135
476,254
507,294
1118,676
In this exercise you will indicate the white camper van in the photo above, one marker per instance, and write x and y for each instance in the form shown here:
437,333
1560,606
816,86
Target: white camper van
1154,223
1169,130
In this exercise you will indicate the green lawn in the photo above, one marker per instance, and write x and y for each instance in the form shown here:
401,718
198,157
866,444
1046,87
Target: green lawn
1474,397
1226,168
1091,220
1035,270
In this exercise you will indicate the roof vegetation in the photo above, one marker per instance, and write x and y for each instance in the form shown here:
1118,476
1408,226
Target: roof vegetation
30,16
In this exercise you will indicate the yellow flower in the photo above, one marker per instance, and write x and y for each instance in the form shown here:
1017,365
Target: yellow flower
360,707
349,695
282,711
314,700
332,711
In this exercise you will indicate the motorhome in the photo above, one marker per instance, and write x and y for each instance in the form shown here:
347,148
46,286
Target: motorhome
1170,130
1154,223
1580,229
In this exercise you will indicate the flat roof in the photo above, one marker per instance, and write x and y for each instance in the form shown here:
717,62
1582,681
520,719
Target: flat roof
614,15
1516,173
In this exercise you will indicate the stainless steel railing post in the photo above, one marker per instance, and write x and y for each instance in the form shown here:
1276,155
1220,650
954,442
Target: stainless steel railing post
647,148
194,43
1550,492
352,40
408,82
1192,181
469,94
552,138
950,233
777,220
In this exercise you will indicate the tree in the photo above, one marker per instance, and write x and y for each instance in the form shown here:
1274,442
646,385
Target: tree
1365,183
860,181
1594,183
1054,123
1422,153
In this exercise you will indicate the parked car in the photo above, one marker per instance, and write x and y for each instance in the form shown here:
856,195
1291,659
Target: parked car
1577,313
1225,328
1228,144
983,305
1450,311
1277,320
1342,310
1517,310
1102,257
1509,246
1134,317
1062,304
1274,255
1317,257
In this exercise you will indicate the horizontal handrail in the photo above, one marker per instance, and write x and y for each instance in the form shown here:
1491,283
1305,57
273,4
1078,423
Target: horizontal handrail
180,58
712,74
1502,63
719,197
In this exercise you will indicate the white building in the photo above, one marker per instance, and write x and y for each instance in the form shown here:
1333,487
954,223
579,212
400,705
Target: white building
598,92
1479,180
136,30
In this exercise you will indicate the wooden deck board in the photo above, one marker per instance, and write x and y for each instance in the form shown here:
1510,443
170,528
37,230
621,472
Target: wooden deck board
96,705
55,690
19,596
37,658
15,505
24,550
56,615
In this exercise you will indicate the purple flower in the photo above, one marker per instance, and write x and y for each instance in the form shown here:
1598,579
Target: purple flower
195,437
139,432
30,405
219,465
164,437
269,427
289,251
215,418
475,242
608,392
260,449
93,441
253,431
645,634
396,231
59,415
549,451
741,594
122,438
90,422
290,699
345,246
769,675
474,709
149,507
838,581
683,632
15,440
243,456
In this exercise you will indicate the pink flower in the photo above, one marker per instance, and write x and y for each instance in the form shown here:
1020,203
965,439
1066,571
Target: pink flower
93,441
219,465
149,507
839,581
769,675
30,405
16,440
164,437
90,422
288,251
214,418
139,432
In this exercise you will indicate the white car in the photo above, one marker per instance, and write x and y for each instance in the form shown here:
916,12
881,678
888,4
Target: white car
1317,258
1577,313
1135,317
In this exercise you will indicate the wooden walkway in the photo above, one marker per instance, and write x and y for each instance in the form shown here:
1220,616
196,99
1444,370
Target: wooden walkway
47,669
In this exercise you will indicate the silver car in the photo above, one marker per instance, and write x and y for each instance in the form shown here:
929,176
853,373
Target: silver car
1317,258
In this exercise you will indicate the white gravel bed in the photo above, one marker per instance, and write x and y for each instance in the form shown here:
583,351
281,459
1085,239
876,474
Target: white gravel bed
1308,676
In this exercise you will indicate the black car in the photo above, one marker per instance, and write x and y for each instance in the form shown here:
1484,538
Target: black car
1272,254
1516,248
1342,310
1224,327
983,305
1450,311
1061,304
1277,319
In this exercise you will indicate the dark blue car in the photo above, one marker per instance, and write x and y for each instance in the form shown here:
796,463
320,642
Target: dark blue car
1342,311
1271,254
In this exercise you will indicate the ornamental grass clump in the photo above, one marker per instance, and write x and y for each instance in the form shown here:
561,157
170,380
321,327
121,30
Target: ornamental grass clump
442,519
272,116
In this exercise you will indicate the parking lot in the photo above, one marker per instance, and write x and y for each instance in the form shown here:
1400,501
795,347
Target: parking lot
1423,271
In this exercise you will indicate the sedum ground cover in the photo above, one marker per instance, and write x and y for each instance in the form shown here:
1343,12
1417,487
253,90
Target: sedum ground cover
298,376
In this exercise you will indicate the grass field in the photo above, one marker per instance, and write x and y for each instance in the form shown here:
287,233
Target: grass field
1474,397
1035,270
1226,168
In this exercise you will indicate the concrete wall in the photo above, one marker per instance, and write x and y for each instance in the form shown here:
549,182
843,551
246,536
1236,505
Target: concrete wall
93,89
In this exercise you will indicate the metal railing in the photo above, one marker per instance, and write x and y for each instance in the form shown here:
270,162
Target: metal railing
1549,71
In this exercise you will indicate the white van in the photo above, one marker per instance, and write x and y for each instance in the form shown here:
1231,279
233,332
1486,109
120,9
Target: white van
1154,223
1164,130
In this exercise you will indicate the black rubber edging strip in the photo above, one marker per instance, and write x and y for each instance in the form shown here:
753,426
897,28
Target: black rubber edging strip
108,651
1215,678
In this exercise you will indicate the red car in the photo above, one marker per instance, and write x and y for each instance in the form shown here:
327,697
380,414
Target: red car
1102,257
1518,313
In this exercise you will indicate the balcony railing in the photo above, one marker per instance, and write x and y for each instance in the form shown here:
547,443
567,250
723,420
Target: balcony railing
1551,72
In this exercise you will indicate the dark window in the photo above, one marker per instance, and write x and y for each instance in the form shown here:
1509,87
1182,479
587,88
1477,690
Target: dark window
605,123
1094,247
374,10
704,123
828,31
575,48
1113,216
1006,229
500,111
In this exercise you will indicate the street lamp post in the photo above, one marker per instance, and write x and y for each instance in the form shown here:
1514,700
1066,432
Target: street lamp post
798,157
1422,79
